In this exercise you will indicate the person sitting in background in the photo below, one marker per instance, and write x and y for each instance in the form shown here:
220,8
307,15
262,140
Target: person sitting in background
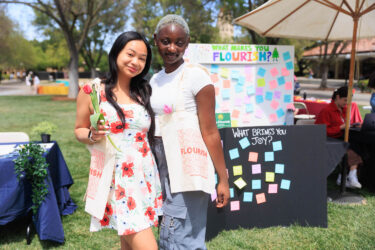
333,116
297,86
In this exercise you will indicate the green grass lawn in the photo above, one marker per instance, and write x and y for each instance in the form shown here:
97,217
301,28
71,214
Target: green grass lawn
349,227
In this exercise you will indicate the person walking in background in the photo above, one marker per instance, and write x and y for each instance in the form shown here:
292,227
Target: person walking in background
185,90
333,116
371,85
134,201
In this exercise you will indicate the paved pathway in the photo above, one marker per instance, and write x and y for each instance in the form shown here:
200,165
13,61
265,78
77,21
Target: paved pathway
15,87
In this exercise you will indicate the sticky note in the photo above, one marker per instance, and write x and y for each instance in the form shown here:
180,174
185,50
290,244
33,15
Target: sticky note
277,94
256,184
269,96
268,156
235,74
280,112
272,188
241,80
259,91
284,72
231,192
274,104
247,196
225,94
261,72
215,178
226,84
286,56
217,91
244,142
274,72
233,153
253,156
235,113
277,146
259,99
249,108
279,168
270,176
273,118
250,90
225,106
216,104
246,118
238,102
287,98
288,85
249,70
289,65
224,72
272,84
290,106
234,205
247,100
285,184
238,88
261,82
240,183
237,170
281,80
258,113
256,169
234,123
214,78
213,195
214,68
261,198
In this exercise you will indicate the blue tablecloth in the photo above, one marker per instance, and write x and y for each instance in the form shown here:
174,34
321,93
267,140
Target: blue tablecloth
15,196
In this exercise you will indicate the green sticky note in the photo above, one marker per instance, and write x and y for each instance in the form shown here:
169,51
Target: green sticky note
270,176
261,82
237,170
240,183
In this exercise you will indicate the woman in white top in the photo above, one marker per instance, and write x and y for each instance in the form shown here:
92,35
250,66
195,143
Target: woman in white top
184,213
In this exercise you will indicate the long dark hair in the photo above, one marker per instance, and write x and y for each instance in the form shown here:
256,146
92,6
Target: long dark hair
140,89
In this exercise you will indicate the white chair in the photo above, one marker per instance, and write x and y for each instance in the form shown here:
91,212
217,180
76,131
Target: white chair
305,122
14,137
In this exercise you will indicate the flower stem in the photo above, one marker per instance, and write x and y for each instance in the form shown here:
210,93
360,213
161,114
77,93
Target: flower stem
113,144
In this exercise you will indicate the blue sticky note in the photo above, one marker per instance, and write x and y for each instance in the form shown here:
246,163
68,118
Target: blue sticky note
250,90
268,156
286,56
244,142
280,112
281,80
285,184
249,108
215,178
235,74
259,99
256,184
248,196
287,98
239,88
277,146
225,93
289,65
233,153
231,191
214,68
269,96
261,72
279,168
241,80
217,105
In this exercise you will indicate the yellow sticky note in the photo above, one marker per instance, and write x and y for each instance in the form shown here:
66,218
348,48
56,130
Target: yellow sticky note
270,176
240,183
224,72
234,123
237,170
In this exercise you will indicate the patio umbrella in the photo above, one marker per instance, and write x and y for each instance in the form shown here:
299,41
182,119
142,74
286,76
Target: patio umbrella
316,20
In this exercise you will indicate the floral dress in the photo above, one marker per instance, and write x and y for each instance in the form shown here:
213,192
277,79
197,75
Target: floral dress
135,199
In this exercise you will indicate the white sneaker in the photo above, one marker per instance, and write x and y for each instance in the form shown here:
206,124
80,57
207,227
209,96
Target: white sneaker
338,181
353,182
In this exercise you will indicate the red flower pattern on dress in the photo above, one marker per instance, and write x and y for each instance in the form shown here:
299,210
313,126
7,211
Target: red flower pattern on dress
117,127
140,137
144,149
128,113
108,209
119,192
149,187
128,231
150,213
104,113
131,203
156,223
105,221
127,169
102,96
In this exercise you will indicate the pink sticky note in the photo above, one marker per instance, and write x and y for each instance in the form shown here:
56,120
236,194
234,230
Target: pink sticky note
246,118
274,104
213,195
217,91
234,205
274,72
225,106
284,72
214,78
235,113
272,188
258,113
247,100
238,102
290,106
253,156
256,169
273,118
226,84
227,173
273,84
261,198
288,85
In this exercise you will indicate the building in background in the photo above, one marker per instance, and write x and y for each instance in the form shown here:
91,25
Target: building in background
226,29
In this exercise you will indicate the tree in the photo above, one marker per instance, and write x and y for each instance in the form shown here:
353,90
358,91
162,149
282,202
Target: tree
75,19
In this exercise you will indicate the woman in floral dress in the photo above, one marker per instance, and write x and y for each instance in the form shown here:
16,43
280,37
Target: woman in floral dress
134,201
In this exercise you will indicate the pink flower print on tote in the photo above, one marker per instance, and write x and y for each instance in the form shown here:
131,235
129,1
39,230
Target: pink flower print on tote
167,109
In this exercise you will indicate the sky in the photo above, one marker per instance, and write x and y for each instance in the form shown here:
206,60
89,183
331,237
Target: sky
23,16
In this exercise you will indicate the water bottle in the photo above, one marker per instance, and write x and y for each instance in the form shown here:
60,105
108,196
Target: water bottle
289,117
304,95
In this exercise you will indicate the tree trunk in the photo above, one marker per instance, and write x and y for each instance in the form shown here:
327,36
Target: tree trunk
73,74
93,73
324,70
